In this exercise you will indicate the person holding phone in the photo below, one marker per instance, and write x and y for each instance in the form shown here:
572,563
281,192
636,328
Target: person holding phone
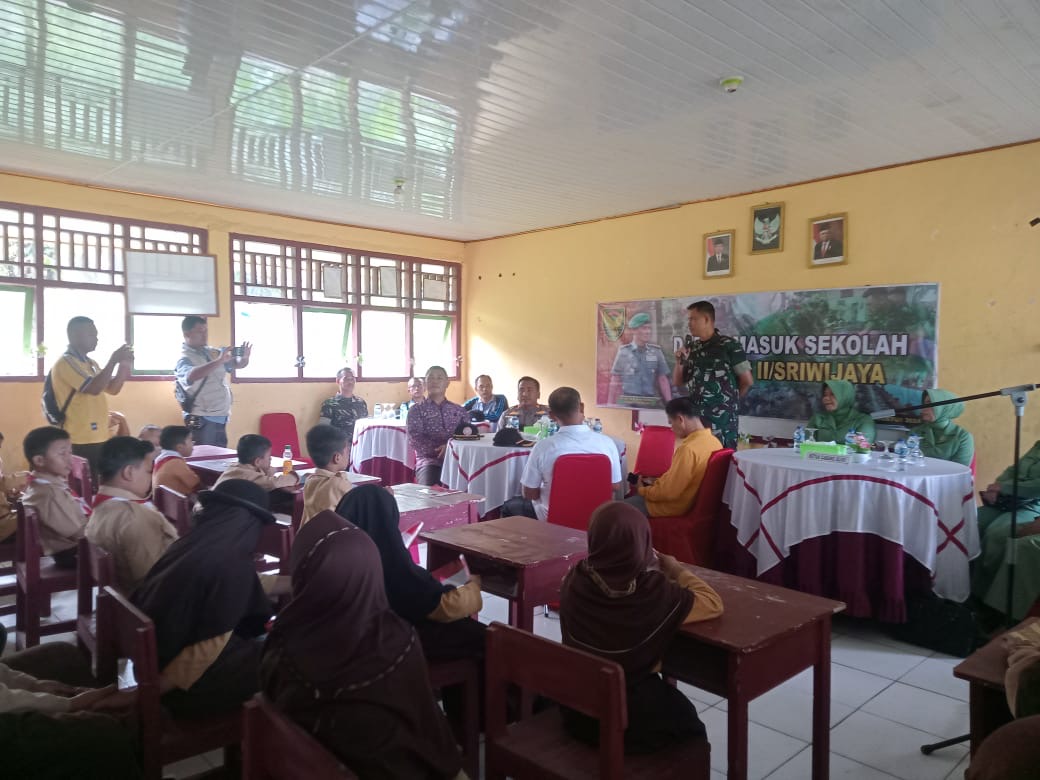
202,373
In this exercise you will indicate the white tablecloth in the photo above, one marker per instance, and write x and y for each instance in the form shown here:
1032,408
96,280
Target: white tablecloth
378,438
493,472
777,500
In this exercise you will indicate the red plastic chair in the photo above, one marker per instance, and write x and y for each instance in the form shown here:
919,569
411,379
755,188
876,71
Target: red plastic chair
691,537
36,581
656,447
175,506
274,748
280,428
125,632
539,746
580,483
94,569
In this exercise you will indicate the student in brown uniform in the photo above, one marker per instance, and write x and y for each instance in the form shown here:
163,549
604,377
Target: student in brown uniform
329,448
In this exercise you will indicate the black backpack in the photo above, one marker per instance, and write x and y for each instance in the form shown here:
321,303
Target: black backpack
54,413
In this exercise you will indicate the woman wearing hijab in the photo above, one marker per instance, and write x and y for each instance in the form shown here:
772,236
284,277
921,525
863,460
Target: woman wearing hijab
840,415
207,604
625,602
440,613
349,670
940,436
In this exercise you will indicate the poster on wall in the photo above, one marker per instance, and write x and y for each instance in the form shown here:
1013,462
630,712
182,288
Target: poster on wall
882,339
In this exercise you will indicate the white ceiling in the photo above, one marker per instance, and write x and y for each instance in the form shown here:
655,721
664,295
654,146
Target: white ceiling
501,115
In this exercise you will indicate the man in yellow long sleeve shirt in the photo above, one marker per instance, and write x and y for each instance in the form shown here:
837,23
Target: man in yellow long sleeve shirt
673,492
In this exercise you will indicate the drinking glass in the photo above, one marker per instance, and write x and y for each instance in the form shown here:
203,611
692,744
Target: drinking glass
377,411
810,434
886,456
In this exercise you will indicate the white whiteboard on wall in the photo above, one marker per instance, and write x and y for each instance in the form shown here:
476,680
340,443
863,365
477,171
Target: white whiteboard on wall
171,283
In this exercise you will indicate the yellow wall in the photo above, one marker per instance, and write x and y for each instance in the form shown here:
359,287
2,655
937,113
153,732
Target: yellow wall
148,401
962,222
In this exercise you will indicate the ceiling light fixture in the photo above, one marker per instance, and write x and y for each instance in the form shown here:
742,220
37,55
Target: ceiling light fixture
731,83
399,190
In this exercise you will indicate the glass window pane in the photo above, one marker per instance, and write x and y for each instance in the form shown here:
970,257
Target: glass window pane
107,309
271,329
17,321
382,344
157,342
433,344
326,342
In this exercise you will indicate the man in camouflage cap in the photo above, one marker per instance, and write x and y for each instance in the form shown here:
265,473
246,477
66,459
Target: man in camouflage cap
714,370
640,368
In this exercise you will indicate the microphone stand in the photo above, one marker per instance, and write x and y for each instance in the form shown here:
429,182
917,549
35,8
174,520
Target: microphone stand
1017,394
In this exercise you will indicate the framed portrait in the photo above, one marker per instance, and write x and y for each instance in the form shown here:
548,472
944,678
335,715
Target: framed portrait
767,228
717,252
829,240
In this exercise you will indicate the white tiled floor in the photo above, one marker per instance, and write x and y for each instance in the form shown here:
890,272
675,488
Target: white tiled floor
887,699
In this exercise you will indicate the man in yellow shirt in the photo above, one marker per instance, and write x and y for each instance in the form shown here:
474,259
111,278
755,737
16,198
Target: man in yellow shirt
77,376
673,492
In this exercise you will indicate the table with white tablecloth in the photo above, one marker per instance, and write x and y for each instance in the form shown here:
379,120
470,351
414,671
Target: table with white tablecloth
380,448
778,501
478,466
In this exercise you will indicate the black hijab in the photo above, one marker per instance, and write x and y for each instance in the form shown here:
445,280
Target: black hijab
205,584
412,591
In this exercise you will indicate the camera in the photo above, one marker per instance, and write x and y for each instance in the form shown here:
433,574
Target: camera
238,351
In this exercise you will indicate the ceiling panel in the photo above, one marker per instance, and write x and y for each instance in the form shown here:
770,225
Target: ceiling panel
501,116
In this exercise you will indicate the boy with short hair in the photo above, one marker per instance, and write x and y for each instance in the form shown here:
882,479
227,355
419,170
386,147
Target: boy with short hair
329,448
125,523
63,514
171,469
254,465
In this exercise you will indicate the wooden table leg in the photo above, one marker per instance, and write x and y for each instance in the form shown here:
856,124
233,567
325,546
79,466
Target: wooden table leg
822,702
737,747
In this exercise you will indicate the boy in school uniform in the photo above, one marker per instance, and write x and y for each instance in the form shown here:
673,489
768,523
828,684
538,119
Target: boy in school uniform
171,469
125,523
329,448
254,465
63,514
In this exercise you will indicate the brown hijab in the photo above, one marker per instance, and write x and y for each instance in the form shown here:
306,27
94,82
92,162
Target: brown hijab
613,603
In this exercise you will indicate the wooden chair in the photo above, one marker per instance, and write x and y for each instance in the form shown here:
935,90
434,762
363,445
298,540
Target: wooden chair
691,537
175,506
275,543
463,672
94,569
539,746
80,480
125,632
275,748
280,428
580,483
35,582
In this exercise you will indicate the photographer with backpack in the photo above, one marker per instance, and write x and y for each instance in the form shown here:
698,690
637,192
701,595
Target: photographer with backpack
75,389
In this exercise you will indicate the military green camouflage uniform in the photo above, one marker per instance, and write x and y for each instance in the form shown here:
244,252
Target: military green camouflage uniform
710,375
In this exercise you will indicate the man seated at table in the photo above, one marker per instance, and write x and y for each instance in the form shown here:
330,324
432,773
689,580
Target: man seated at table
673,492
416,392
528,411
431,422
329,448
573,438
488,403
344,408
254,465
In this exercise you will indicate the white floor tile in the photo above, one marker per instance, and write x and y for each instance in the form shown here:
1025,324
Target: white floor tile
767,749
936,674
959,770
932,712
717,775
849,686
892,747
800,768
187,768
788,710
495,608
875,657
698,696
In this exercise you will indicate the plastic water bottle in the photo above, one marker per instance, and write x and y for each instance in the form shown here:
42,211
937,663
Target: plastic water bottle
404,413
799,438
850,439
597,426
554,427
900,450
287,460
543,427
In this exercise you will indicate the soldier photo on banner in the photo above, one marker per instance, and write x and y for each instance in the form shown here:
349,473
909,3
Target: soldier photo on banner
640,375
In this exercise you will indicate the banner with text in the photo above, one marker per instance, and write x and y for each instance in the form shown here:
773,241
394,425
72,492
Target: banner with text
882,339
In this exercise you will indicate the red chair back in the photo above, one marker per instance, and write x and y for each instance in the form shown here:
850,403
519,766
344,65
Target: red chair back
275,542
94,568
80,481
280,428
656,447
175,506
273,747
580,483
35,582
709,496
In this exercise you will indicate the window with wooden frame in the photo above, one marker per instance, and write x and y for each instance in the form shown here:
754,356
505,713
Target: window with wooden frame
55,265
310,309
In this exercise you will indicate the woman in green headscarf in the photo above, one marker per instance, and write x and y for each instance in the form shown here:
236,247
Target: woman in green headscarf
940,436
840,414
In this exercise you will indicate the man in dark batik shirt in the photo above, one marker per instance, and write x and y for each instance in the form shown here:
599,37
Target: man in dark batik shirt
343,409
715,372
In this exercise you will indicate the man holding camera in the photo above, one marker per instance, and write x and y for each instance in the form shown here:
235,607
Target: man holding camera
202,388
